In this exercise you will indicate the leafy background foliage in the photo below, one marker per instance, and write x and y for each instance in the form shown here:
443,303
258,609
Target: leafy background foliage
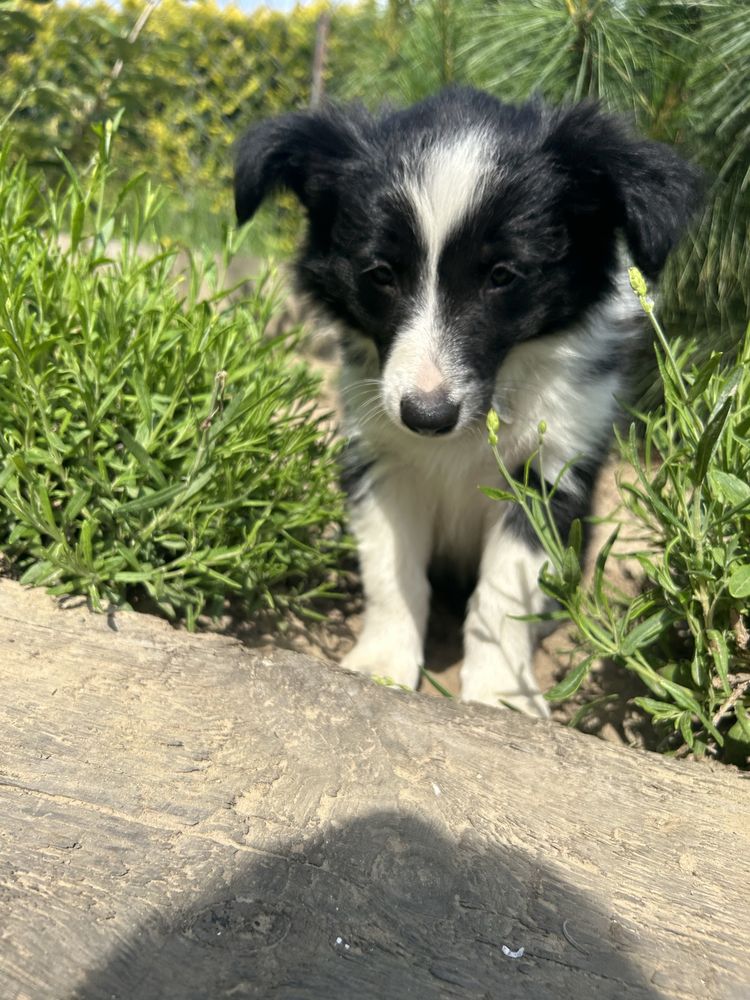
196,75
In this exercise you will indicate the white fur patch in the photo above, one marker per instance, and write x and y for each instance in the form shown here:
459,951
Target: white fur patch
395,535
444,187
499,649
544,380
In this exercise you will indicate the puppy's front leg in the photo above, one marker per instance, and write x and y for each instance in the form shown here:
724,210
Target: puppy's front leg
393,530
498,649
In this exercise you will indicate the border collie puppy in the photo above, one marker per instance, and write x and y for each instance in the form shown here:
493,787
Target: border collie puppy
473,255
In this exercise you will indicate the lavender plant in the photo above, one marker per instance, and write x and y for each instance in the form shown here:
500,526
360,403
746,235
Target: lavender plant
685,635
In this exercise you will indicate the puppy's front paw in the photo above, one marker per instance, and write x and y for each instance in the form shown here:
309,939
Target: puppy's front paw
383,658
499,687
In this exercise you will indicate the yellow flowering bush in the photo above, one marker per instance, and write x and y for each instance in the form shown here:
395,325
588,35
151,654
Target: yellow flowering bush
189,81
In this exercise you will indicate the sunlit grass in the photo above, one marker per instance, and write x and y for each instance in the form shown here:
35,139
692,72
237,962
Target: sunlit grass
155,441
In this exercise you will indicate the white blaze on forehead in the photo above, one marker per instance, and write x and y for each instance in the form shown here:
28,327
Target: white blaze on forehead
446,187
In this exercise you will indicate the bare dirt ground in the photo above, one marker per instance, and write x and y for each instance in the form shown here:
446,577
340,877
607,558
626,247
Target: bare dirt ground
613,717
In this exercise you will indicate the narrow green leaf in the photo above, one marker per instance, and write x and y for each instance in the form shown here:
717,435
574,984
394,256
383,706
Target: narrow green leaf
661,710
197,484
571,569
570,683
575,537
146,461
685,724
729,488
709,440
38,573
720,653
142,394
646,632
149,501
86,547
495,494
75,505
600,566
129,576
741,728
46,508
703,376
739,581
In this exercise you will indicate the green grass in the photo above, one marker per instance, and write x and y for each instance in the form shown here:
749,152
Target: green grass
685,635
276,230
155,441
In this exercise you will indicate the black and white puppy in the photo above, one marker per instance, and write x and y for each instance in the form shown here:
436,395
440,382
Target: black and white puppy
474,255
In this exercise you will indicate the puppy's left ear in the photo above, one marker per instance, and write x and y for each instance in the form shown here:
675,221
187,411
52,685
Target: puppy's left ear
300,151
650,191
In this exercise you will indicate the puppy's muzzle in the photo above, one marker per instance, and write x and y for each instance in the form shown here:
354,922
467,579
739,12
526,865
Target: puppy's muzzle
429,412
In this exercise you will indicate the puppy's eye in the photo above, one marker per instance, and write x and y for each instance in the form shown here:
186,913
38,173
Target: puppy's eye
501,276
381,275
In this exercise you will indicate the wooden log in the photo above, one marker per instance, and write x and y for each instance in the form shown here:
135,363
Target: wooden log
184,818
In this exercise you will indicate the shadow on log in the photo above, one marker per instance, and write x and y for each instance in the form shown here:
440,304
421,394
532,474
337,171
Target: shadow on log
384,907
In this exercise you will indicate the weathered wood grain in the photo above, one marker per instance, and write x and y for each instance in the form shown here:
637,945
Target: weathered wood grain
181,818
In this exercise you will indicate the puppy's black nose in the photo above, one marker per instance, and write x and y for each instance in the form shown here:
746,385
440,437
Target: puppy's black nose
429,412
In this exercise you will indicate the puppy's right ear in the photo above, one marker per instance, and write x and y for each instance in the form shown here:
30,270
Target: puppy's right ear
302,152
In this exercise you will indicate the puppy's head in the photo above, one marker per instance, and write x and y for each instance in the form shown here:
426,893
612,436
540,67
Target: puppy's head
447,233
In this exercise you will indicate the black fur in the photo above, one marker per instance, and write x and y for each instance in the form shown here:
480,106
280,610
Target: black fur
354,473
572,180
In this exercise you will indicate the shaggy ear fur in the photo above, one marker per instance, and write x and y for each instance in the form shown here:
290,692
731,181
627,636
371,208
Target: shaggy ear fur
648,190
299,151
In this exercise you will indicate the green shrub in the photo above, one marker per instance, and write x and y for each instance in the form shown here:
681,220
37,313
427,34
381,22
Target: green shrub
189,77
685,635
154,440
192,76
